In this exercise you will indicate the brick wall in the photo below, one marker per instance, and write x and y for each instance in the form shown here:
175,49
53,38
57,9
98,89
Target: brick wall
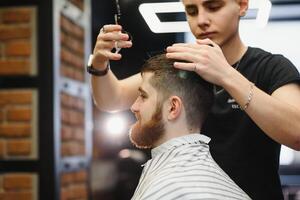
17,124
17,41
72,50
18,186
73,101
72,126
74,185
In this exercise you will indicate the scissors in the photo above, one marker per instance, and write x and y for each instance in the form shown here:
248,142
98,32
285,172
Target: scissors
118,21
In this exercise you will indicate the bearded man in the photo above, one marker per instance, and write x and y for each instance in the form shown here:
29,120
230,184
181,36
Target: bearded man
169,118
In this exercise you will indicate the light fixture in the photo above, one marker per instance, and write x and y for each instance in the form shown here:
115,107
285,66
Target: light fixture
263,8
286,155
115,126
149,12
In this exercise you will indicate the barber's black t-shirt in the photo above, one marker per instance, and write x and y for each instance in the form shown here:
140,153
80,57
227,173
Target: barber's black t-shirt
238,145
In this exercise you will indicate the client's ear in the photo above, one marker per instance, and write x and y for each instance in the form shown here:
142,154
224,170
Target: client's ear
243,7
174,107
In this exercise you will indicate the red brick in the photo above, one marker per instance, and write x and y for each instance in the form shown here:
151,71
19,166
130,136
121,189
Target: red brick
81,149
2,148
80,176
78,31
18,48
1,50
16,196
72,148
79,104
16,97
67,149
16,15
69,101
71,28
15,67
79,75
14,32
67,178
17,181
65,115
72,59
79,191
73,44
65,99
15,130
2,103
64,194
67,71
66,56
18,148
1,115
78,134
66,133
19,114
72,117
76,117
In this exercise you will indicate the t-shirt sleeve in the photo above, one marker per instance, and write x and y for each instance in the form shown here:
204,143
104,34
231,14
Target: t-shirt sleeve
281,72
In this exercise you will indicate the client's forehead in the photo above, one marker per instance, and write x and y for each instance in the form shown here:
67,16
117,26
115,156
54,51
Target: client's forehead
146,85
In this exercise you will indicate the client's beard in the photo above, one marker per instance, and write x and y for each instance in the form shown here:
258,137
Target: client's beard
144,136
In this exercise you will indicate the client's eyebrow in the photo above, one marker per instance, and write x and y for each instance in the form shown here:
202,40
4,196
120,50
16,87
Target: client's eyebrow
143,92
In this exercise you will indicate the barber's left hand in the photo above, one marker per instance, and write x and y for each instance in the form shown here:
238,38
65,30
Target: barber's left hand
204,57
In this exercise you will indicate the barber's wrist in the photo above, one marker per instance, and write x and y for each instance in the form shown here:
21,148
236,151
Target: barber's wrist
96,71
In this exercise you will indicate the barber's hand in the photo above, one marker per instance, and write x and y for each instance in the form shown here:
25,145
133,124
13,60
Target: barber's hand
110,36
204,57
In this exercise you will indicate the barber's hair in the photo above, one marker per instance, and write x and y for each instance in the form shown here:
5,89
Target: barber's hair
195,93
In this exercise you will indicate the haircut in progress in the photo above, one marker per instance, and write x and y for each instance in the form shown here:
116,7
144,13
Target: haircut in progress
169,121
185,84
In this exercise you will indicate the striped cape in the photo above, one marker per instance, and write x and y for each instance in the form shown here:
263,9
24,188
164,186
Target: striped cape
183,168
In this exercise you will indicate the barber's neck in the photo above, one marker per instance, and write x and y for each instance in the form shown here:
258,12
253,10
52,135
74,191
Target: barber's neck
234,49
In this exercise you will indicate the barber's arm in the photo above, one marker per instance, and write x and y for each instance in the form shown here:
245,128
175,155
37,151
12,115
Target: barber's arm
109,93
278,114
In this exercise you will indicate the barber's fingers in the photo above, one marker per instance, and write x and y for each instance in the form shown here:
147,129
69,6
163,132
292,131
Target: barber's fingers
116,36
110,28
104,55
106,52
208,42
187,45
123,44
183,55
112,32
188,66
183,49
109,45
192,48
104,45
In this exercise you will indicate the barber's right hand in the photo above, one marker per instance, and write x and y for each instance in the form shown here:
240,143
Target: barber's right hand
109,37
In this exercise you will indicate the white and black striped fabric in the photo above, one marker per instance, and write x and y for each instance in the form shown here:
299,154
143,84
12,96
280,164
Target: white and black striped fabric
182,168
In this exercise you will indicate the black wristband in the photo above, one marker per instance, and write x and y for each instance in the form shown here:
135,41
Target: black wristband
90,69
96,72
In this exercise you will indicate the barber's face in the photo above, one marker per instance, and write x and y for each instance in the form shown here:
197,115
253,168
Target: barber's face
149,128
214,19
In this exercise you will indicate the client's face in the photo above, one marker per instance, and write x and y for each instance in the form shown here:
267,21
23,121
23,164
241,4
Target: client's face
145,135
149,128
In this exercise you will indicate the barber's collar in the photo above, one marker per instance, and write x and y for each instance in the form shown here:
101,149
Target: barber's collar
179,141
